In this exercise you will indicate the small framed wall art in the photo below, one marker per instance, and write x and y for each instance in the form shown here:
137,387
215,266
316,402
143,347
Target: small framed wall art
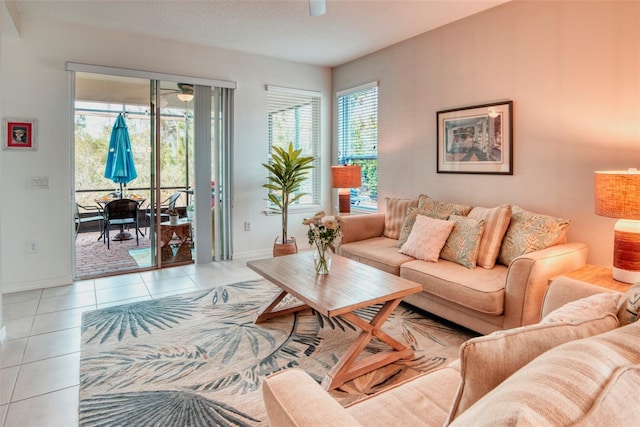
476,139
18,134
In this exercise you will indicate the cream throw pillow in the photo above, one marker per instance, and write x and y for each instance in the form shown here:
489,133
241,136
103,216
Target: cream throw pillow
427,238
590,307
464,241
487,361
395,214
496,222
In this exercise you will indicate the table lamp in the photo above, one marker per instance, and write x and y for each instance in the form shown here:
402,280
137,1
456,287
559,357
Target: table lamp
344,178
617,195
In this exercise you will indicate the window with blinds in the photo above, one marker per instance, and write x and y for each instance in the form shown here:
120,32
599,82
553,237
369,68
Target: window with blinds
358,140
294,117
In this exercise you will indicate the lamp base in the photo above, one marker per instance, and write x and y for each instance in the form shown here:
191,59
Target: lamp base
626,251
344,202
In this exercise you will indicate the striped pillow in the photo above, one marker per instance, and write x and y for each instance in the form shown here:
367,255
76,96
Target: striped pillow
394,217
567,384
496,222
487,361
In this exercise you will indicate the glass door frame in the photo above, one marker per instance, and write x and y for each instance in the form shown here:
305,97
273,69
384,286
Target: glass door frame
203,138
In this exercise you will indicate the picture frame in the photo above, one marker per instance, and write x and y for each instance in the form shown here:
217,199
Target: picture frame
476,140
19,134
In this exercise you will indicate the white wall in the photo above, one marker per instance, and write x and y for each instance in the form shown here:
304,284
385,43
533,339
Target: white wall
35,85
573,72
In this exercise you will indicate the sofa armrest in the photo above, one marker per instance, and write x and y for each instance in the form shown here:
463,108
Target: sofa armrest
563,290
528,277
362,227
293,398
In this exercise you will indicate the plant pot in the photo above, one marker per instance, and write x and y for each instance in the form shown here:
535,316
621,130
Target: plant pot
173,219
280,249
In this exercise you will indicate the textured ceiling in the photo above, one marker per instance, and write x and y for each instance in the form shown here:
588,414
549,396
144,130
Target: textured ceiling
280,29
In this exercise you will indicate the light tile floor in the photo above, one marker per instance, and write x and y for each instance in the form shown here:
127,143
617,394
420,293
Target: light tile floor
40,358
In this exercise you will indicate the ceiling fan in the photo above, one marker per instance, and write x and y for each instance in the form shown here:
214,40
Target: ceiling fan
184,92
317,7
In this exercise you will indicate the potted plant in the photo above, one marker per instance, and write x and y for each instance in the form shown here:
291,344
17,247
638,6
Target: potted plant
173,216
287,171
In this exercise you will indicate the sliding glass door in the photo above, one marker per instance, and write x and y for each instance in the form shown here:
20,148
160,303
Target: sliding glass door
180,141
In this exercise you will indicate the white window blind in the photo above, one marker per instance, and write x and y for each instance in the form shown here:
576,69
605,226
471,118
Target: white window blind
358,139
294,117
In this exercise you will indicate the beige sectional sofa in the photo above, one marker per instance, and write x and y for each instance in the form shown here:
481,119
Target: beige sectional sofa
492,271
576,367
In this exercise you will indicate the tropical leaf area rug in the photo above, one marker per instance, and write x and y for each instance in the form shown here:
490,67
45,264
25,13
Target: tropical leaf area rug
198,359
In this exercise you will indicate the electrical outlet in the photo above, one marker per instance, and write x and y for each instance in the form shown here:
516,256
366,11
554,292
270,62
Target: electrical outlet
247,226
32,247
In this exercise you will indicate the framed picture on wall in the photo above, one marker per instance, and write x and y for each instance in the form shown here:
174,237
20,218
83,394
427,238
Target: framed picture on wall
476,139
19,134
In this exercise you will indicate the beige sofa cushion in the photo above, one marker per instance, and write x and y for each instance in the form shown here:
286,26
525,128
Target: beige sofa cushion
570,383
487,361
496,222
394,217
378,252
419,401
463,243
529,232
479,289
427,238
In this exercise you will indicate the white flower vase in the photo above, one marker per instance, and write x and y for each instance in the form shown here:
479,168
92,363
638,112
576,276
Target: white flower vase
173,219
322,261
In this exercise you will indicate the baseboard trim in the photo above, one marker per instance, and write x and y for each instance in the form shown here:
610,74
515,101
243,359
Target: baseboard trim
30,286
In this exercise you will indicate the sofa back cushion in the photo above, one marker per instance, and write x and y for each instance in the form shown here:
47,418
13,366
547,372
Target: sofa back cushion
572,384
489,360
496,221
529,232
394,217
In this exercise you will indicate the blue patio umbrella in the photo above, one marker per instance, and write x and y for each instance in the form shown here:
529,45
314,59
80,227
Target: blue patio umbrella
120,167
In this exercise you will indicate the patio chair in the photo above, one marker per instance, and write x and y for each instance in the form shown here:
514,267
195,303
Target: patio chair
167,204
96,214
121,212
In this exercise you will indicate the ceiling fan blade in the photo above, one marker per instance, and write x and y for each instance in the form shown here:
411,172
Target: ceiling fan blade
317,7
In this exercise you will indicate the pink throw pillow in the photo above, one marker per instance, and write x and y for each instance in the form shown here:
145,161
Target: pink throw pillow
427,238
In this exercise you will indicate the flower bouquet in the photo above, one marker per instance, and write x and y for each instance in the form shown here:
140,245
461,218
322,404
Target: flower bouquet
324,232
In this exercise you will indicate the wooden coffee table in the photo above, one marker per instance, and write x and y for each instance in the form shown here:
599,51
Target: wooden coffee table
350,285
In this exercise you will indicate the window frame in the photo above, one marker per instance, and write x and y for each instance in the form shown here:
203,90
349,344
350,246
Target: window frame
297,98
343,133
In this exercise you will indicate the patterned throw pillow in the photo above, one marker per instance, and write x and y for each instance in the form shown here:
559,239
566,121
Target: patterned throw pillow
464,241
496,222
632,306
427,238
432,208
529,232
394,217
441,210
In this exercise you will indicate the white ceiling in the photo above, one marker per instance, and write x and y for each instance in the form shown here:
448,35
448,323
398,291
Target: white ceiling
277,28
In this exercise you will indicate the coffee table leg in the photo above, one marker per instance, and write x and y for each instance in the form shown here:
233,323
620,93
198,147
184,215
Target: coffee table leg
268,310
347,367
